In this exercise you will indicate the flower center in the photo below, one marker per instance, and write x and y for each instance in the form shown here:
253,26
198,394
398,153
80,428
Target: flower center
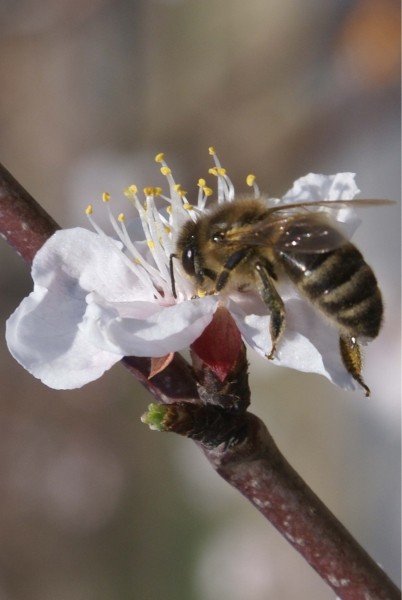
161,226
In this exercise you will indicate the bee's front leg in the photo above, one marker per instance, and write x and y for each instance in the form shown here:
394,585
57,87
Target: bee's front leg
234,260
274,303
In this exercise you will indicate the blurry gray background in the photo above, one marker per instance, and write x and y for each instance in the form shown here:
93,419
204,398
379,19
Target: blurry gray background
94,506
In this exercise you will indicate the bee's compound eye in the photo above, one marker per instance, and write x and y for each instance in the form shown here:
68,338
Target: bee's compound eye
188,260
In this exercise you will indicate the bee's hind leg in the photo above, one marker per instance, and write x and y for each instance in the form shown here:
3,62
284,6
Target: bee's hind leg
352,359
274,303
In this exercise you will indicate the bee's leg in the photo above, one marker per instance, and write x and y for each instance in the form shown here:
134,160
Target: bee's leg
232,262
352,359
274,303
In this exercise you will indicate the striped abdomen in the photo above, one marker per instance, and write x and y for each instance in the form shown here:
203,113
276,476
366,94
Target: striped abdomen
341,285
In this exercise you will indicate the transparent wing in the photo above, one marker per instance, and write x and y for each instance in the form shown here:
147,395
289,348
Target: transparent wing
289,228
310,233
302,232
336,204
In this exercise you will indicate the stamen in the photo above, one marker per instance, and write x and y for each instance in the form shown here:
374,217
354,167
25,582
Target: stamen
155,231
130,191
164,239
250,180
211,150
140,273
137,258
152,191
105,197
224,190
165,170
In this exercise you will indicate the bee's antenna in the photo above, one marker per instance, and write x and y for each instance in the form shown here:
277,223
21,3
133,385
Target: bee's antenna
171,271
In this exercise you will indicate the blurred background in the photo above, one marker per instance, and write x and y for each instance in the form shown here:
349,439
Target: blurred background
92,504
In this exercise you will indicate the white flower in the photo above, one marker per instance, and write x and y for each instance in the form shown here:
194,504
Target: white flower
98,298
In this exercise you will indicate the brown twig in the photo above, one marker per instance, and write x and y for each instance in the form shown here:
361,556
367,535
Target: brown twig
242,452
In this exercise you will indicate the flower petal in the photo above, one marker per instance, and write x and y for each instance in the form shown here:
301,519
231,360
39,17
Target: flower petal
48,343
314,186
308,344
73,260
146,328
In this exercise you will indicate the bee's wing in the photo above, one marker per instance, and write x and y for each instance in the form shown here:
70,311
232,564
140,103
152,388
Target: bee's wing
310,233
335,204
294,232
288,227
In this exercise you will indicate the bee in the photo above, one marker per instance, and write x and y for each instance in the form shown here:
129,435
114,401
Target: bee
244,243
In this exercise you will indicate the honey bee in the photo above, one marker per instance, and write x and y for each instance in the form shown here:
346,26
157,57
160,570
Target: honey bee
245,243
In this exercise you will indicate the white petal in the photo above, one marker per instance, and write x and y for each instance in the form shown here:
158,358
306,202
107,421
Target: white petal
308,344
76,260
311,344
314,186
43,336
145,328
341,186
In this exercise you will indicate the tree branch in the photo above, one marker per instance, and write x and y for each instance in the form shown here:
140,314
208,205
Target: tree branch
236,443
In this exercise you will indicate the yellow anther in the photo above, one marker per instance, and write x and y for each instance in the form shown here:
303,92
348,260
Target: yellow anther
201,293
167,228
182,193
211,150
250,179
177,187
165,171
169,209
188,206
137,261
130,191
121,217
151,244
159,157
152,191
217,171
201,183
207,191
89,209
105,197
